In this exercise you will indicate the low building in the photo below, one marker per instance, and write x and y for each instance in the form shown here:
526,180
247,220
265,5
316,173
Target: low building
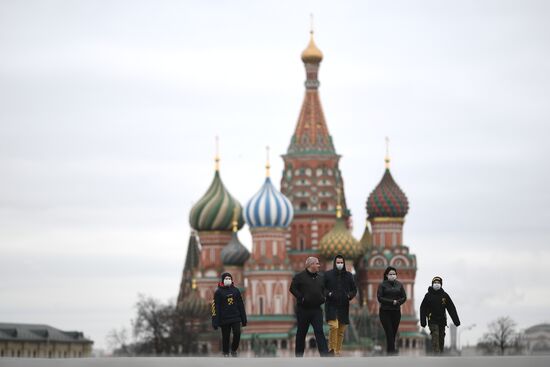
537,339
42,341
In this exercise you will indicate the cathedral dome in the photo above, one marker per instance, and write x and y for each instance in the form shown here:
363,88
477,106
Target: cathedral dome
387,199
195,306
339,241
312,54
214,210
268,208
234,253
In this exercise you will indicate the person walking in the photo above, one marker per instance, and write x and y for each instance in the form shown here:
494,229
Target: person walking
340,289
391,295
228,313
308,287
434,308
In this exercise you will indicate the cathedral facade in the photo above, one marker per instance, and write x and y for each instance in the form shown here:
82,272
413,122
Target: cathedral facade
307,216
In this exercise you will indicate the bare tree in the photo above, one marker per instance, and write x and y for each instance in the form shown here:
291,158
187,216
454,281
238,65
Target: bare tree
501,336
152,324
162,328
117,341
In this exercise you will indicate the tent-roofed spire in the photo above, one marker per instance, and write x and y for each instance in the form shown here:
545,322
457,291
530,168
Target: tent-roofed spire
311,135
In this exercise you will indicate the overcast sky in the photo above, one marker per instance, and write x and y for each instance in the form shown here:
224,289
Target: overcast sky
109,109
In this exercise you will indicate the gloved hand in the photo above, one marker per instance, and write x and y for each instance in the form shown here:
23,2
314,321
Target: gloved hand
423,324
243,324
457,324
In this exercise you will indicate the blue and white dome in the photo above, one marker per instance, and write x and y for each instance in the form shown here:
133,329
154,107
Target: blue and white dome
268,208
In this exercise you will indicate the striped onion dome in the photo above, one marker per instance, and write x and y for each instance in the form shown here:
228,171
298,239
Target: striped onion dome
214,211
195,306
387,199
268,208
234,253
339,240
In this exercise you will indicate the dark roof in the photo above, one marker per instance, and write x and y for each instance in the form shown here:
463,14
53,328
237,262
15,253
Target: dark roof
39,332
538,328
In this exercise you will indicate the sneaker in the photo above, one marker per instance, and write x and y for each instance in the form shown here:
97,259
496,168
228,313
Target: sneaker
234,354
226,355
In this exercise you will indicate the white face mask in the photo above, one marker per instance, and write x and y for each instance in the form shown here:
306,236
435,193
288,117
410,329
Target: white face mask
339,266
392,277
436,286
227,282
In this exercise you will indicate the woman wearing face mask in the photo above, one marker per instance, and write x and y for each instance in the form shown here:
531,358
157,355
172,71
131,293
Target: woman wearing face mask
228,313
434,307
391,295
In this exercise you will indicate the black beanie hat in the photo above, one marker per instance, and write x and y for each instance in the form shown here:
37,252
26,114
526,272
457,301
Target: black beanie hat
226,275
437,279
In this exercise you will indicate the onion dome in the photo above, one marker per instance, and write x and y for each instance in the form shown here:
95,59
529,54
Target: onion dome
214,211
234,253
312,54
387,199
269,207
195,306
339,241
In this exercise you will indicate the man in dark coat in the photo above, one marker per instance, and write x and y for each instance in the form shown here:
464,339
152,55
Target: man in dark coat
340,290
434,307
228,313
308,287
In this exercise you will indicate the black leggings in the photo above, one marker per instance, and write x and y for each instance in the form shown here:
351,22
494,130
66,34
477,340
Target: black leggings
226,331
390,322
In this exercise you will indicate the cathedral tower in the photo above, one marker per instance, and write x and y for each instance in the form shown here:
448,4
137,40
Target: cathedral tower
212,217
311,174
268,273
387,207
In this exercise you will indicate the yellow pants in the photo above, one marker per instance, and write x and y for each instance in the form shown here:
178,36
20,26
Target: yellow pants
336,335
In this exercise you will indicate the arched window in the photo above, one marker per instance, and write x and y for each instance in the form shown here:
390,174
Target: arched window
324,205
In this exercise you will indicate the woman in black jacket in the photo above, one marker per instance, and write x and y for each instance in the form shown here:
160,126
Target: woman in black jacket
228,313
391,295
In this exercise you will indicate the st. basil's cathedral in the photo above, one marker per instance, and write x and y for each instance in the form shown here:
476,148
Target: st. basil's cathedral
308,216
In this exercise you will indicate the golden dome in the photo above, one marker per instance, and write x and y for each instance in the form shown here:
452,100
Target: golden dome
312,55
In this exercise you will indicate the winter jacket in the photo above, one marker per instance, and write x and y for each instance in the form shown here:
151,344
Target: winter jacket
309,289
340,289
227,306
388,292
433,308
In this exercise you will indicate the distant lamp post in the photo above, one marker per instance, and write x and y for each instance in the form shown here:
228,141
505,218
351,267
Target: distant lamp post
466,328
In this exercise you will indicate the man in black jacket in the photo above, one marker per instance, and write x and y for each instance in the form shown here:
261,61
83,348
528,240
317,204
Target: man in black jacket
434,306
340,289
308,287
228,313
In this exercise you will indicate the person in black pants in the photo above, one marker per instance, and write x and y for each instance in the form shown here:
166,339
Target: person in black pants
228,313
391,295
308,287
434,307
